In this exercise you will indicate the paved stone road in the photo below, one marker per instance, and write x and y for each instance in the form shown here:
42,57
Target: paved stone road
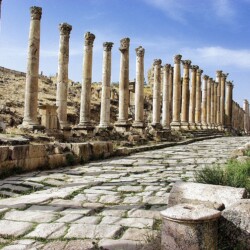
114,202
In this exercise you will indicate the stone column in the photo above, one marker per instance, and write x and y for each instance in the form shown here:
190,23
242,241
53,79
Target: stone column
106,81
139,89
209,84
204,103
85,122
192,97
198,99
215,104
246,116
62,77
157,95
122,123
166,97
175,124
218,80
185,94
212,103
31,89
171,71
222,100
229,104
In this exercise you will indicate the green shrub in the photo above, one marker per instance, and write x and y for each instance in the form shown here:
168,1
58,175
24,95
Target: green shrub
234,174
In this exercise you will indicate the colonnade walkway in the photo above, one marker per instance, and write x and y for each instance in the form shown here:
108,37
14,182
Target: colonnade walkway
114,202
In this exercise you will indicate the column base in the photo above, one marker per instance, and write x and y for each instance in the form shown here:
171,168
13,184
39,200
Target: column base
122,126
204,126
31,127
85,128
175,125
184,125
192,126
198,126
156,126
137,124
104,127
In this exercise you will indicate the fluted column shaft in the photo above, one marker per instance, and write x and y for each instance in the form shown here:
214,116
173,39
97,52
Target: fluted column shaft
171,71
175,124
124,83
106,81
218,80
222,99
209,102
31,89
139,88
212,103
166,97
185,94
229,104
87,79
204,103
62,77
215,103
198,99
157,93
192,97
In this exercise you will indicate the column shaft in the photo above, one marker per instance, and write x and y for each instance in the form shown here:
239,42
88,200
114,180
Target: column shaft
204,103
198,99
218,80
209,102
229,104
85,121
212,104
171,71
222,100
31,89
62,77
106,81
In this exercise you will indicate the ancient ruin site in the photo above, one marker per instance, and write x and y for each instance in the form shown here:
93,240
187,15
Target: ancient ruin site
125,151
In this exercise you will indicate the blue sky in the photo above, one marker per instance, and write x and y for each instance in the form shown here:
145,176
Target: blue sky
213,34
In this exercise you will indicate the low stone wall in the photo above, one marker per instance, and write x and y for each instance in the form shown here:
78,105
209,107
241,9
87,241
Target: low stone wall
46,156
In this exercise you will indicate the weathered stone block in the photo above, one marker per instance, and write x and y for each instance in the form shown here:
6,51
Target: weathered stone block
36,151
235,225
57,160
99,149
34,163
19,152
82,151
4,153
210,195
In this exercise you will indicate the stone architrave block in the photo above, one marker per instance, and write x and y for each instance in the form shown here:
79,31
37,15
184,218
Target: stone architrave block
19,152
82,151
235,224
4,153
211,195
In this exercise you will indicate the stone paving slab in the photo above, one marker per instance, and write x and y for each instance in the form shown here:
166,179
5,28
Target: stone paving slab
114,202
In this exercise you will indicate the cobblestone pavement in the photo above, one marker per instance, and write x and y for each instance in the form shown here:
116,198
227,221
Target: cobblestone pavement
114,202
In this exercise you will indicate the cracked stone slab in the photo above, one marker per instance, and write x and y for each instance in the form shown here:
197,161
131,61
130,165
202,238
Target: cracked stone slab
14,228
119,244
92,231
136,234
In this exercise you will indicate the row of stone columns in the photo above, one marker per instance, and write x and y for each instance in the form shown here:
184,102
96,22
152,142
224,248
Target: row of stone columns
183,104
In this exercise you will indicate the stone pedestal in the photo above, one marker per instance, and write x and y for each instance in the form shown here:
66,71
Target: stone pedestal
229,108
106,81
185,94
85,122
62,77
49,116
176,122
139,89
192,98
31,89
204,124
198,99
166,97
122,124
188,226
157,95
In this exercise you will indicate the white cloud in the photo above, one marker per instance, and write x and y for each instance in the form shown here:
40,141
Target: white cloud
219,56
223,9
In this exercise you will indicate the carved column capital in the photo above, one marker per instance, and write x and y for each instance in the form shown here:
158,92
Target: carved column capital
218,73
89,39
65,29
167,67
230,84
107,46
224,75
205,77
124,44
157,62
177,59
199,71
36,13
194,68
140,51
186,64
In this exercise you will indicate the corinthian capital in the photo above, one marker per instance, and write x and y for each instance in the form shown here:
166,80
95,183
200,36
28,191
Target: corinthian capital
177,58
107,46
65,29
186,64
89,39
218,73
124,44
224,75
157,62
199,71
205,77
36,13
140,51
194,68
